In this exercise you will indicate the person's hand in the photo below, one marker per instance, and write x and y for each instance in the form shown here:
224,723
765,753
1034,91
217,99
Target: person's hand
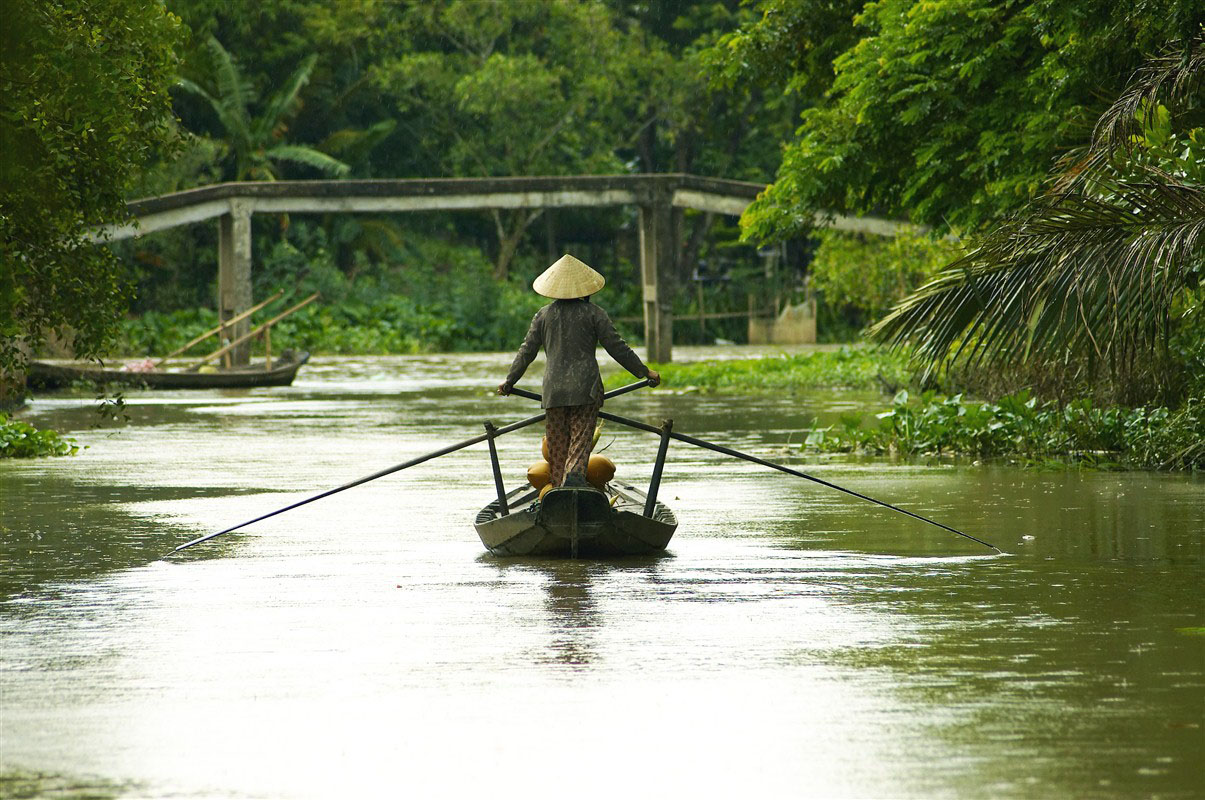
654,377
504,388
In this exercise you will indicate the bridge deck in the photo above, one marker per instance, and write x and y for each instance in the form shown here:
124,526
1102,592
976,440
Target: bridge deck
655,195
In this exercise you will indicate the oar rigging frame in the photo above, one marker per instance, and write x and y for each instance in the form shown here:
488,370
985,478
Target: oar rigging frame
665,432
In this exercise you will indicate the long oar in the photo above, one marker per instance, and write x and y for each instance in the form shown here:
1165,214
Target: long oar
388,471
631,387
728,451
719,448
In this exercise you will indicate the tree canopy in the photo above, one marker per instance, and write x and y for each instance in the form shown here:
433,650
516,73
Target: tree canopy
1100,274
84,104
502,87
949,113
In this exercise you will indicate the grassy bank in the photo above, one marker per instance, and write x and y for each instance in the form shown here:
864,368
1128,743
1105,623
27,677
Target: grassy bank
1015,427
849,367
1022,429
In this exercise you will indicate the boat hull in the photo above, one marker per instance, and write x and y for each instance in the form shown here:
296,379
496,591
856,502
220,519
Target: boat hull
576,522
44,375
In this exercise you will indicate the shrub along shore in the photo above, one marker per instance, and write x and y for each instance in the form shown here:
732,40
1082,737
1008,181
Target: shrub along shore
1019,428
1016,428
21,440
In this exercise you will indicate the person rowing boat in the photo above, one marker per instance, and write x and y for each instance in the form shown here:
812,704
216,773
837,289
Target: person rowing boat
569,329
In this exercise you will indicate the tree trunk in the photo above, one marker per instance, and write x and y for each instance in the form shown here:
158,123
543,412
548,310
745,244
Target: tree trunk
510,234
700,227
12,384
646,142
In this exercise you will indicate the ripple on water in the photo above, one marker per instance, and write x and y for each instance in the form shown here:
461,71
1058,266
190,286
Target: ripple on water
794,640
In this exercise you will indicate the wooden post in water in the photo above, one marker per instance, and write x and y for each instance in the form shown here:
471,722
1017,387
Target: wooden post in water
650,504
490,433
234,277
656,275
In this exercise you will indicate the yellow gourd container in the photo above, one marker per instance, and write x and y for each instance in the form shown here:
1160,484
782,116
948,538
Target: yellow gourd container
599,470
539,474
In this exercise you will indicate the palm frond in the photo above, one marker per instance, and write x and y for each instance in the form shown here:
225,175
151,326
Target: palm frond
355,144
310,157
192,87
1090,278
234,95
230,123
1172,78
283,101
1086,280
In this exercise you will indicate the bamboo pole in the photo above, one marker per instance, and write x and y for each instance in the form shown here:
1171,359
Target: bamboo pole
220,327
255,332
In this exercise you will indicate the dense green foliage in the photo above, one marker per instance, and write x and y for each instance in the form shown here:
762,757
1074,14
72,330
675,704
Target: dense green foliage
946,112
848,367
1100,281
1019,427
859,278
388,324
438,298
83,104
514,89
22,440
254,142
457,89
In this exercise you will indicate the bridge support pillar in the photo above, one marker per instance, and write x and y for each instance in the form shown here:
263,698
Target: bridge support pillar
657,276
234,277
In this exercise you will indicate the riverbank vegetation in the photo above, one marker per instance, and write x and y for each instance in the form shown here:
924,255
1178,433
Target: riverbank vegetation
1076,282
1020,428
1077,300
84,107
21,440
869,368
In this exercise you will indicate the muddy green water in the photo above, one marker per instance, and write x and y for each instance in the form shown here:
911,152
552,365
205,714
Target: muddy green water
793,642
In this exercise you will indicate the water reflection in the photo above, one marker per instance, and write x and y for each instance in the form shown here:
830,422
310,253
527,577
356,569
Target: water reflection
793,641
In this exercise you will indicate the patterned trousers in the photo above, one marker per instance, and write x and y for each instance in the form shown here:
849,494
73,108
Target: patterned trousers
570,432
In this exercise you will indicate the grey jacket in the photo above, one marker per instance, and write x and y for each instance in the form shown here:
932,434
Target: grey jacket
569,330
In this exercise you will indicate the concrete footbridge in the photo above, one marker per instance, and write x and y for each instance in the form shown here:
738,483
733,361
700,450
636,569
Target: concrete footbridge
655,195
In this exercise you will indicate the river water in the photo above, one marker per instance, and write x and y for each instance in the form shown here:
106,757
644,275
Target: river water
793,642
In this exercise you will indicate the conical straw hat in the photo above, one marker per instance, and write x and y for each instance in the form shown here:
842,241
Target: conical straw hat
568,278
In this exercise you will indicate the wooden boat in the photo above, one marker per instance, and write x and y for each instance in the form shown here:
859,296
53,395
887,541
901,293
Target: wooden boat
45,375
576,521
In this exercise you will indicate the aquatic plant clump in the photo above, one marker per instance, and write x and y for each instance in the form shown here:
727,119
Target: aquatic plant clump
22,440
849,367
1018,426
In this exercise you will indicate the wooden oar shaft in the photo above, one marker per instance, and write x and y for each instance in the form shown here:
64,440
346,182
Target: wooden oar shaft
631,387
380,474
207,334
719,448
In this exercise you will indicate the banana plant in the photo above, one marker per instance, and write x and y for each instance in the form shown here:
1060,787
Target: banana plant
257,143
